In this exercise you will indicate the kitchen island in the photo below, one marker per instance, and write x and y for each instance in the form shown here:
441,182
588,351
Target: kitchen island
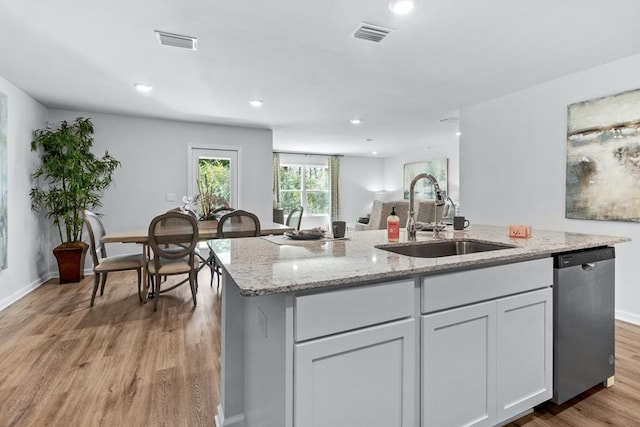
342,333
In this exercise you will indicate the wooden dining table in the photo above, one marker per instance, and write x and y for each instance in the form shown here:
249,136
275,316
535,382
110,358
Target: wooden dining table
141,236
205,232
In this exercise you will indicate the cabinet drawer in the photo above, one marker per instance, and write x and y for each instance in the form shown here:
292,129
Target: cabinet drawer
328,313
465,287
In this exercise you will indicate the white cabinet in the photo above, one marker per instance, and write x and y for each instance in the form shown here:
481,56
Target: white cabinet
485,363
525,352
355,357
359,378
458,365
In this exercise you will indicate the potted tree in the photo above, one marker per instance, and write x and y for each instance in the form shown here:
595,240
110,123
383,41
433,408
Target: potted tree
69,179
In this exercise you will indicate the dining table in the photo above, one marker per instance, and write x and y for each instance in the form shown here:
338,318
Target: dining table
205,232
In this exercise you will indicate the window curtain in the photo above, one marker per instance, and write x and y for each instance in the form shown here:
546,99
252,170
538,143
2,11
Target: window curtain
276,181
334,176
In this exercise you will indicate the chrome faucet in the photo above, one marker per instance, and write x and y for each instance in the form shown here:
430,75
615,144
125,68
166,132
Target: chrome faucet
411,222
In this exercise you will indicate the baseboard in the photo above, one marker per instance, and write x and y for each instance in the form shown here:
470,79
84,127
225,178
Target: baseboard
7,301
221,421
628,317
219,418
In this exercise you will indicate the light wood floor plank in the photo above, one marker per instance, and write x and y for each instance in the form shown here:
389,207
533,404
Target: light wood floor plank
117,363
615,406
121,364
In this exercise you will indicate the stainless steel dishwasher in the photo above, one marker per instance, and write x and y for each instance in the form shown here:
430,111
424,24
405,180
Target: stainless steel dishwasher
583,321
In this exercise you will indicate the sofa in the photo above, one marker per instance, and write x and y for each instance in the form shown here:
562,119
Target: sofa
424,212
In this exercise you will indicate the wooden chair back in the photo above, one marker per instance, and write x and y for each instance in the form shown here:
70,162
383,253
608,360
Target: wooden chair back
96,231
294,219
238,223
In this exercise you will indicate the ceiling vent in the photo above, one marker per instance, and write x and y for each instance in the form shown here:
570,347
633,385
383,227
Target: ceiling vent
177,40
371,32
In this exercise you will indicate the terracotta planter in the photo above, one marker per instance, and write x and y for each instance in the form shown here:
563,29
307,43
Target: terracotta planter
70,257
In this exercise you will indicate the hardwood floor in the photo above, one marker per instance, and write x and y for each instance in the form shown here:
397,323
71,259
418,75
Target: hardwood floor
115,364
615,406
120,364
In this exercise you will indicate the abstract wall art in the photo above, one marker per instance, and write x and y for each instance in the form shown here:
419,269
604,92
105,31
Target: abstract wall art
423,190
603,158
3,181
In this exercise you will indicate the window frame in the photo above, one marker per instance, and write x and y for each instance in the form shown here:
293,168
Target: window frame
304,191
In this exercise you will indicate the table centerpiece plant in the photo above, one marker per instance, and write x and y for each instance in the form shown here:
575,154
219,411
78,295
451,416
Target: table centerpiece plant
208,201
69,179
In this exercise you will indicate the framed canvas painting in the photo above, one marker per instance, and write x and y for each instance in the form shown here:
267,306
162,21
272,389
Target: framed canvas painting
603,158
423,190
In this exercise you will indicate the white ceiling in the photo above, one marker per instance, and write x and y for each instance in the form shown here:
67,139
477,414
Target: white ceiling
299,56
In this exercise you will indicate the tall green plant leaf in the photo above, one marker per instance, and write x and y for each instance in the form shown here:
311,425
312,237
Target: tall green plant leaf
70,177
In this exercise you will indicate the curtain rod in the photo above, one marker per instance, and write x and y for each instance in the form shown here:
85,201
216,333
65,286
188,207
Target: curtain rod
308,154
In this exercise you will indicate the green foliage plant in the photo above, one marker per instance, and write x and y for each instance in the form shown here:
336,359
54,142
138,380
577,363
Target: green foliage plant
214,186
208,200
70,177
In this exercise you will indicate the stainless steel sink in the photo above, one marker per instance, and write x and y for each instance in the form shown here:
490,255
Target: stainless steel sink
444,248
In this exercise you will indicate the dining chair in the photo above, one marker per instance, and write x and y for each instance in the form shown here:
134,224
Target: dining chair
222,211
294,219
173,237
235,224
211,260
203,261
103,264
238,223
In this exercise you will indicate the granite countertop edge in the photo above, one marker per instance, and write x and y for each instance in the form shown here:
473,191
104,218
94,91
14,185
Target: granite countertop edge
259,267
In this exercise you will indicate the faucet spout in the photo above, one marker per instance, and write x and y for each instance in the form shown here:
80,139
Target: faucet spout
439,201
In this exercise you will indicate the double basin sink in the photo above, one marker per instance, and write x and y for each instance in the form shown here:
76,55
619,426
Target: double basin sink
443,248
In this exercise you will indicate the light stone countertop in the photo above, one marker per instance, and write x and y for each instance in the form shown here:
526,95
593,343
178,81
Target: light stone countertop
259,266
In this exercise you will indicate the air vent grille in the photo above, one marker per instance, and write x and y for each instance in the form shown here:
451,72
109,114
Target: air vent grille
177,40
371,32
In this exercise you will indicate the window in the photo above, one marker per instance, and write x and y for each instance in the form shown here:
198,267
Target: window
306,186
215,175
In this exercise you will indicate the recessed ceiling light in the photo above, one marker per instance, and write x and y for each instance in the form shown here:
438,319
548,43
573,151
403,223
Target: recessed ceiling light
356,121
458,133
374,152
400,7
256,102
143,87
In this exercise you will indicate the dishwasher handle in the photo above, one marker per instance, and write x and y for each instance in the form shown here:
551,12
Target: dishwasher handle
588,266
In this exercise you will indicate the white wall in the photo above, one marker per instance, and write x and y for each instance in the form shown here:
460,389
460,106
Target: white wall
153,154
29,251
447,147
360,179
512,164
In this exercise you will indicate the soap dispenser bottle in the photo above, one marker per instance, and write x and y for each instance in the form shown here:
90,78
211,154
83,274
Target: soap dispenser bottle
393,227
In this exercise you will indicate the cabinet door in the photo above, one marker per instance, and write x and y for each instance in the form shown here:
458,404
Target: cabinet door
359,378
458,365
525,352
